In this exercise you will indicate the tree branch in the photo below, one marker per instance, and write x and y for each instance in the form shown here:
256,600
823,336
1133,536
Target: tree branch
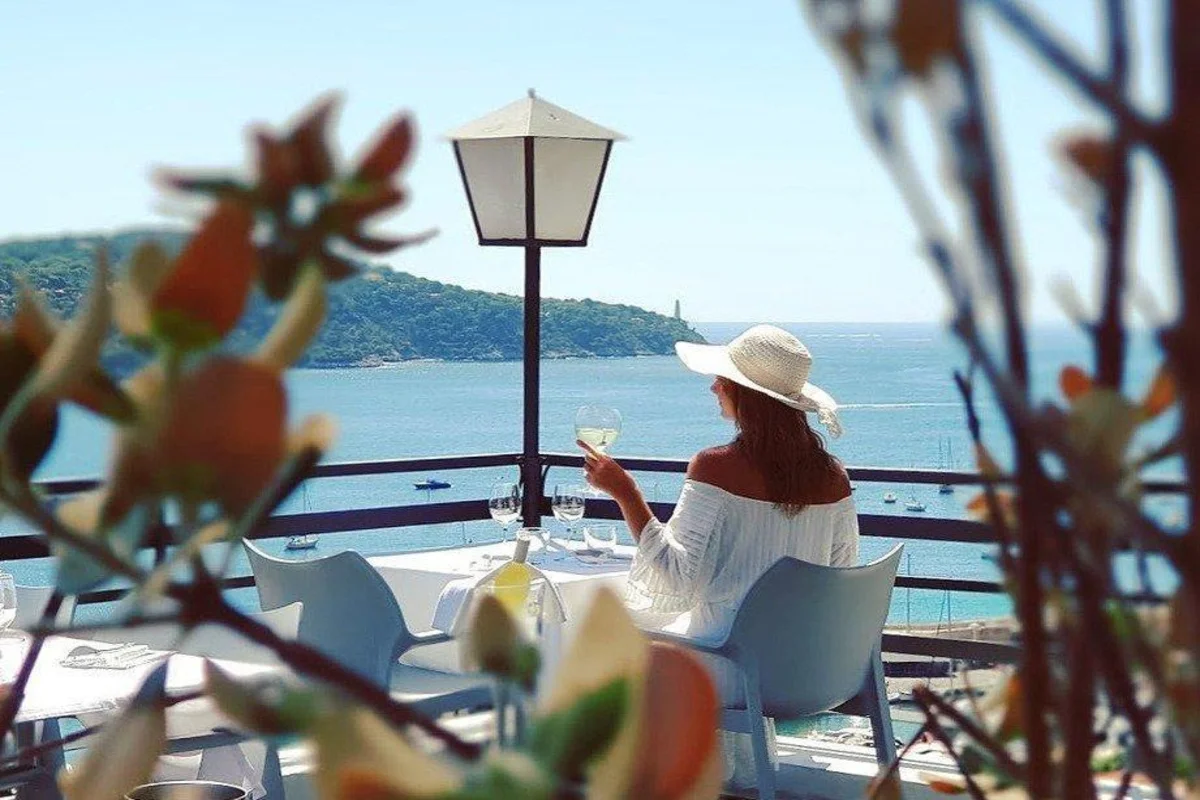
1110,332
316,664
1092,86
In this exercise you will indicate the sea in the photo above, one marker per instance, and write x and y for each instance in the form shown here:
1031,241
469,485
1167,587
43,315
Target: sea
899,408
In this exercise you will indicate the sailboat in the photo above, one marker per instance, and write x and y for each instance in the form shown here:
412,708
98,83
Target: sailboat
305,541
946,488
914,504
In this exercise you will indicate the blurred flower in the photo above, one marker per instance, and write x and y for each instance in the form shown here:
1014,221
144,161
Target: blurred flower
309,209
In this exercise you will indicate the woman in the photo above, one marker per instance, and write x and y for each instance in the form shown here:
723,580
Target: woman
772,492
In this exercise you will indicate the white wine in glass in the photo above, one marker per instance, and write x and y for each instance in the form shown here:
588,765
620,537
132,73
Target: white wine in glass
598,426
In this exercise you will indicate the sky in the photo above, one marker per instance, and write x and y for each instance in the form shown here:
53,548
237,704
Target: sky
745,190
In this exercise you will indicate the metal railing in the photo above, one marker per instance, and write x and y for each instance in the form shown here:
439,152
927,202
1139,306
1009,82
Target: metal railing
28,546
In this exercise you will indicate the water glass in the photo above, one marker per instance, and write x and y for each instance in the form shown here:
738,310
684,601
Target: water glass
8,601
600,538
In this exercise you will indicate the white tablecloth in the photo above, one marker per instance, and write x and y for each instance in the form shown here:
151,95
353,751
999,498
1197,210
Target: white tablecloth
56,691
417,580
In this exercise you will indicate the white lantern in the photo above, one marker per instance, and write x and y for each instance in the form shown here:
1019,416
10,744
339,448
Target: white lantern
532,172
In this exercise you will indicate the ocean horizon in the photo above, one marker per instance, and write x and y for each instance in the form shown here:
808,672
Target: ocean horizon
893,381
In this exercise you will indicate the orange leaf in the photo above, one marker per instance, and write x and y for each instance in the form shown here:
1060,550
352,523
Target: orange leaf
1089,153
211,278
1074,382
224,435
943,786
1161,394
388,153
278,166
680,717
313,159
36,328
925,31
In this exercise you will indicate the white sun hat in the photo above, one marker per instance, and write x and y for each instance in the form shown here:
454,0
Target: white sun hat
766,359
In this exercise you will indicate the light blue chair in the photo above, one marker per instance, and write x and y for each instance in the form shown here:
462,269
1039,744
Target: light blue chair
806,641
351,615
32,601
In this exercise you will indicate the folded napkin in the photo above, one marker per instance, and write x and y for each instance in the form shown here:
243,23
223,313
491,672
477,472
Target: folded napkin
450,602
451,612
116,657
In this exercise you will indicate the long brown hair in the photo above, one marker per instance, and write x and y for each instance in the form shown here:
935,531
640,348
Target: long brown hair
780,443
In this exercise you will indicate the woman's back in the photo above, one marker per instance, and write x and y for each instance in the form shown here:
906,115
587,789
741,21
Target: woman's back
726,532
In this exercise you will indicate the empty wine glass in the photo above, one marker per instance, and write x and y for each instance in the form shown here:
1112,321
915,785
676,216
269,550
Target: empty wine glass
8,601
504,504
568,505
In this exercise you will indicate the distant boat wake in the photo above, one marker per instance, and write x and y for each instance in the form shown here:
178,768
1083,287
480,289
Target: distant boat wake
898,405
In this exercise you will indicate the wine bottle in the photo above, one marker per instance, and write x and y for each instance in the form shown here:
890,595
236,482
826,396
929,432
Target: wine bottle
512,582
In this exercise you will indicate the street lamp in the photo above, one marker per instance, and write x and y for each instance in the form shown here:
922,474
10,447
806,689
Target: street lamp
532,172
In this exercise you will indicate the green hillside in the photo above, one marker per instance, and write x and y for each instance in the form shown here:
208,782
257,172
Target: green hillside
380,317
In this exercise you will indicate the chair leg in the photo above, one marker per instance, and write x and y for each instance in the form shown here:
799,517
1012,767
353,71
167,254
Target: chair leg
272,774
874,696
764,769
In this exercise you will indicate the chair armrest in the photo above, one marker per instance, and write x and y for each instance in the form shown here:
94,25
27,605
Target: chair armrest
429,637
684,641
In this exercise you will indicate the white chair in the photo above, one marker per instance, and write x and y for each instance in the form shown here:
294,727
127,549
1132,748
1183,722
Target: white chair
351,615
806,640
32,602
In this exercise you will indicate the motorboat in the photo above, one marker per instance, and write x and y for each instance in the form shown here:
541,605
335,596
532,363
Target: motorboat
305,541
889,497
914,505
431,483
946,488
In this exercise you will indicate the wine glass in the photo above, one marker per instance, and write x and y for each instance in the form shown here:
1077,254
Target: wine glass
598,426
504,504
568,505
8,601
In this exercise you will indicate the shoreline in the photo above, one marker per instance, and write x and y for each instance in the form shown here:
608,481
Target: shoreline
984,629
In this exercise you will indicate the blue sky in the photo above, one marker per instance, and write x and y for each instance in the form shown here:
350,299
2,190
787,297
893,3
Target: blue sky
745,189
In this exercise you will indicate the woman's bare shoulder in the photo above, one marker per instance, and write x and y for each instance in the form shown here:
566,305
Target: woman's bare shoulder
726,468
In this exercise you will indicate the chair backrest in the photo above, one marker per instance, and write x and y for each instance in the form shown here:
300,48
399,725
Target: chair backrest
31,603
215,641
349,614
810,631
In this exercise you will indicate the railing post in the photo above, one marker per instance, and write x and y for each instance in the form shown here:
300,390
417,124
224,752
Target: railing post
531,468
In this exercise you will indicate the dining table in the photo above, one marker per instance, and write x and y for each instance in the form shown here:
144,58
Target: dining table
419,580
77,678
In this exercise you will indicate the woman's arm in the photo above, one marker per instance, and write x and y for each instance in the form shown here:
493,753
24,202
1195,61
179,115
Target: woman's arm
608,476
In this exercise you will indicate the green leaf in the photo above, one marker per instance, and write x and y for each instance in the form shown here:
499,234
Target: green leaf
568,740
183,331
264,708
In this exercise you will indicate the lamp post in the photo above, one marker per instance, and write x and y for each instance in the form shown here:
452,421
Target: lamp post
532,172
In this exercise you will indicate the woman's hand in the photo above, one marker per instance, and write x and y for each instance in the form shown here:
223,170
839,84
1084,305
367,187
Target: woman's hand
606,474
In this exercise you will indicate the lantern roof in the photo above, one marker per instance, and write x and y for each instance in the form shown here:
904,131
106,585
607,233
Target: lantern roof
533,116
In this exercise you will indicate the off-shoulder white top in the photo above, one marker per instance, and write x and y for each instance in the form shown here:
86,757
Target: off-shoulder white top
690,574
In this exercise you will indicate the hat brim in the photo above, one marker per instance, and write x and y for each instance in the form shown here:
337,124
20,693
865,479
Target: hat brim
713,359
